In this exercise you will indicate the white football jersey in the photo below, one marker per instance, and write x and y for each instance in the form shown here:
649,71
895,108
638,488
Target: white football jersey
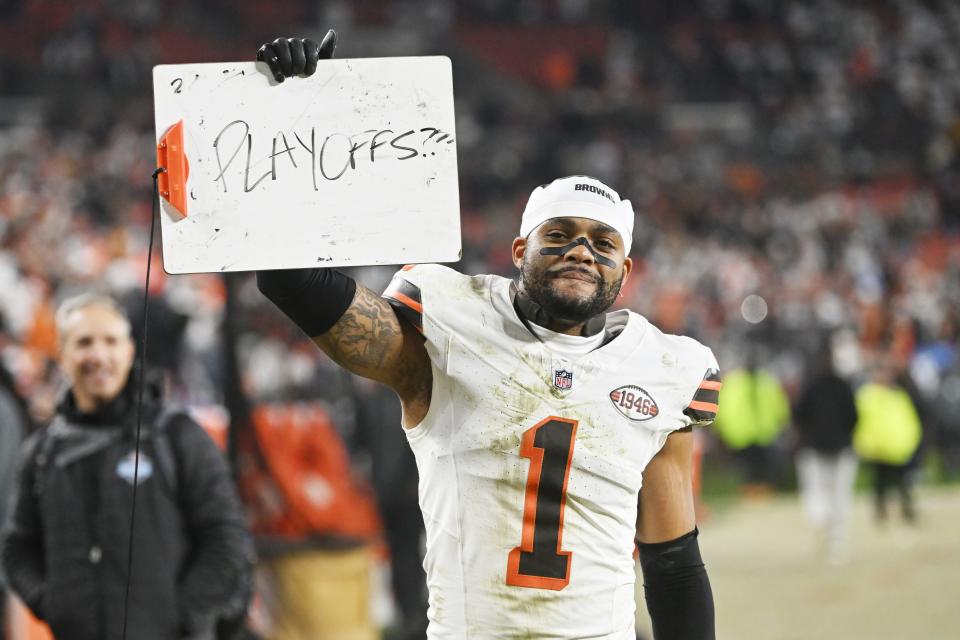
531,462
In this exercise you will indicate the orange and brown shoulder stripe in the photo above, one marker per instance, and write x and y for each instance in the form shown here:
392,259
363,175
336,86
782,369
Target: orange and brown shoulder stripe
706,400
404,297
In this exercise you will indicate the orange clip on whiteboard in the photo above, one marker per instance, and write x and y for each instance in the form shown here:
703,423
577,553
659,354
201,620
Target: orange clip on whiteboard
173,159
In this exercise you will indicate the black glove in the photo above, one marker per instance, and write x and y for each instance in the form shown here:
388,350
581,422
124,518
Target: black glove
289,57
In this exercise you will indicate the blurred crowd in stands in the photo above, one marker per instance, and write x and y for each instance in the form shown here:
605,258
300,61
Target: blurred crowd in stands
795,166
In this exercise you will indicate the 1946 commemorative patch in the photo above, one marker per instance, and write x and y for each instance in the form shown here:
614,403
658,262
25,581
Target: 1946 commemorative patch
634,403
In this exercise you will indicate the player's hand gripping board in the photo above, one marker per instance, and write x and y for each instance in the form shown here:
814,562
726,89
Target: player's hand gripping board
355,165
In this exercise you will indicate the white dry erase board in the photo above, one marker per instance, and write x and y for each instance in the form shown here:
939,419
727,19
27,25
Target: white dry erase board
355,165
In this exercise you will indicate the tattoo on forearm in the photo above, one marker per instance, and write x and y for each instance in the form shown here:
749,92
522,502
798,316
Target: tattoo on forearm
366,333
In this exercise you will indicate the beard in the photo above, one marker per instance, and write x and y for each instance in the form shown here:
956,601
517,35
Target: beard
567,308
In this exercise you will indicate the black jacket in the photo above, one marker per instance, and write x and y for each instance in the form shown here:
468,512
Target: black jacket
826,414
65,544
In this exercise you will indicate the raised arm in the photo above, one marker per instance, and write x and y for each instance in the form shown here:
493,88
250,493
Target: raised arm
675,580
358,330
355,327
371,341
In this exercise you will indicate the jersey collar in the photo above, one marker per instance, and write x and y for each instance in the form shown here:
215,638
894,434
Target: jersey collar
530,311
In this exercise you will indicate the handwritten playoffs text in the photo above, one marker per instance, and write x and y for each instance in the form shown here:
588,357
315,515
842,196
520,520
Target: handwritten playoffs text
329,156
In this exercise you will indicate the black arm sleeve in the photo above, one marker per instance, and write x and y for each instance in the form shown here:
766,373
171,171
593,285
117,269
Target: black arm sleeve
221,547
314,299
677,589
21,543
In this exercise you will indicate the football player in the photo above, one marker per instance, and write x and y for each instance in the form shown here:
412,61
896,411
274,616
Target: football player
536,418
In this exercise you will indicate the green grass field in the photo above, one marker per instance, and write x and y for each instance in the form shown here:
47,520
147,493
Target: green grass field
769,583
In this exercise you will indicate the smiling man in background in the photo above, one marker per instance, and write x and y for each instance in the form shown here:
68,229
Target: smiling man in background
64,547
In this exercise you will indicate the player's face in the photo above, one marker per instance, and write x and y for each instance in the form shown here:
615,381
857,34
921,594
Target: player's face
96,354
579,283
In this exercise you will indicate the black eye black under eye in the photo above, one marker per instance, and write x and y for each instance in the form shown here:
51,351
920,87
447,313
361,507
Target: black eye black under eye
561,251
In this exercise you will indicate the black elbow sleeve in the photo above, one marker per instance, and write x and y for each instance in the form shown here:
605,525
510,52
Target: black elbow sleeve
314,299
677,589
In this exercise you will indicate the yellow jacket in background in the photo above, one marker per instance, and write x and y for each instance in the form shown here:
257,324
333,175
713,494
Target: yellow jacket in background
753,409
888,429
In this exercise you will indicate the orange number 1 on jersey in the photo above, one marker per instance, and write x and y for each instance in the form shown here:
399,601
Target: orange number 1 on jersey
539,561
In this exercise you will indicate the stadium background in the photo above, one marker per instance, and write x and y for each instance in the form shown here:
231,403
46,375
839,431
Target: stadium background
796,165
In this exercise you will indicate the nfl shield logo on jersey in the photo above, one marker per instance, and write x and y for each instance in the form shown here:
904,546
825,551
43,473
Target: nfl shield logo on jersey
563,379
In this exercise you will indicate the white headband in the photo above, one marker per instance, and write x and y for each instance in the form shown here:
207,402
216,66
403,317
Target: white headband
579,197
